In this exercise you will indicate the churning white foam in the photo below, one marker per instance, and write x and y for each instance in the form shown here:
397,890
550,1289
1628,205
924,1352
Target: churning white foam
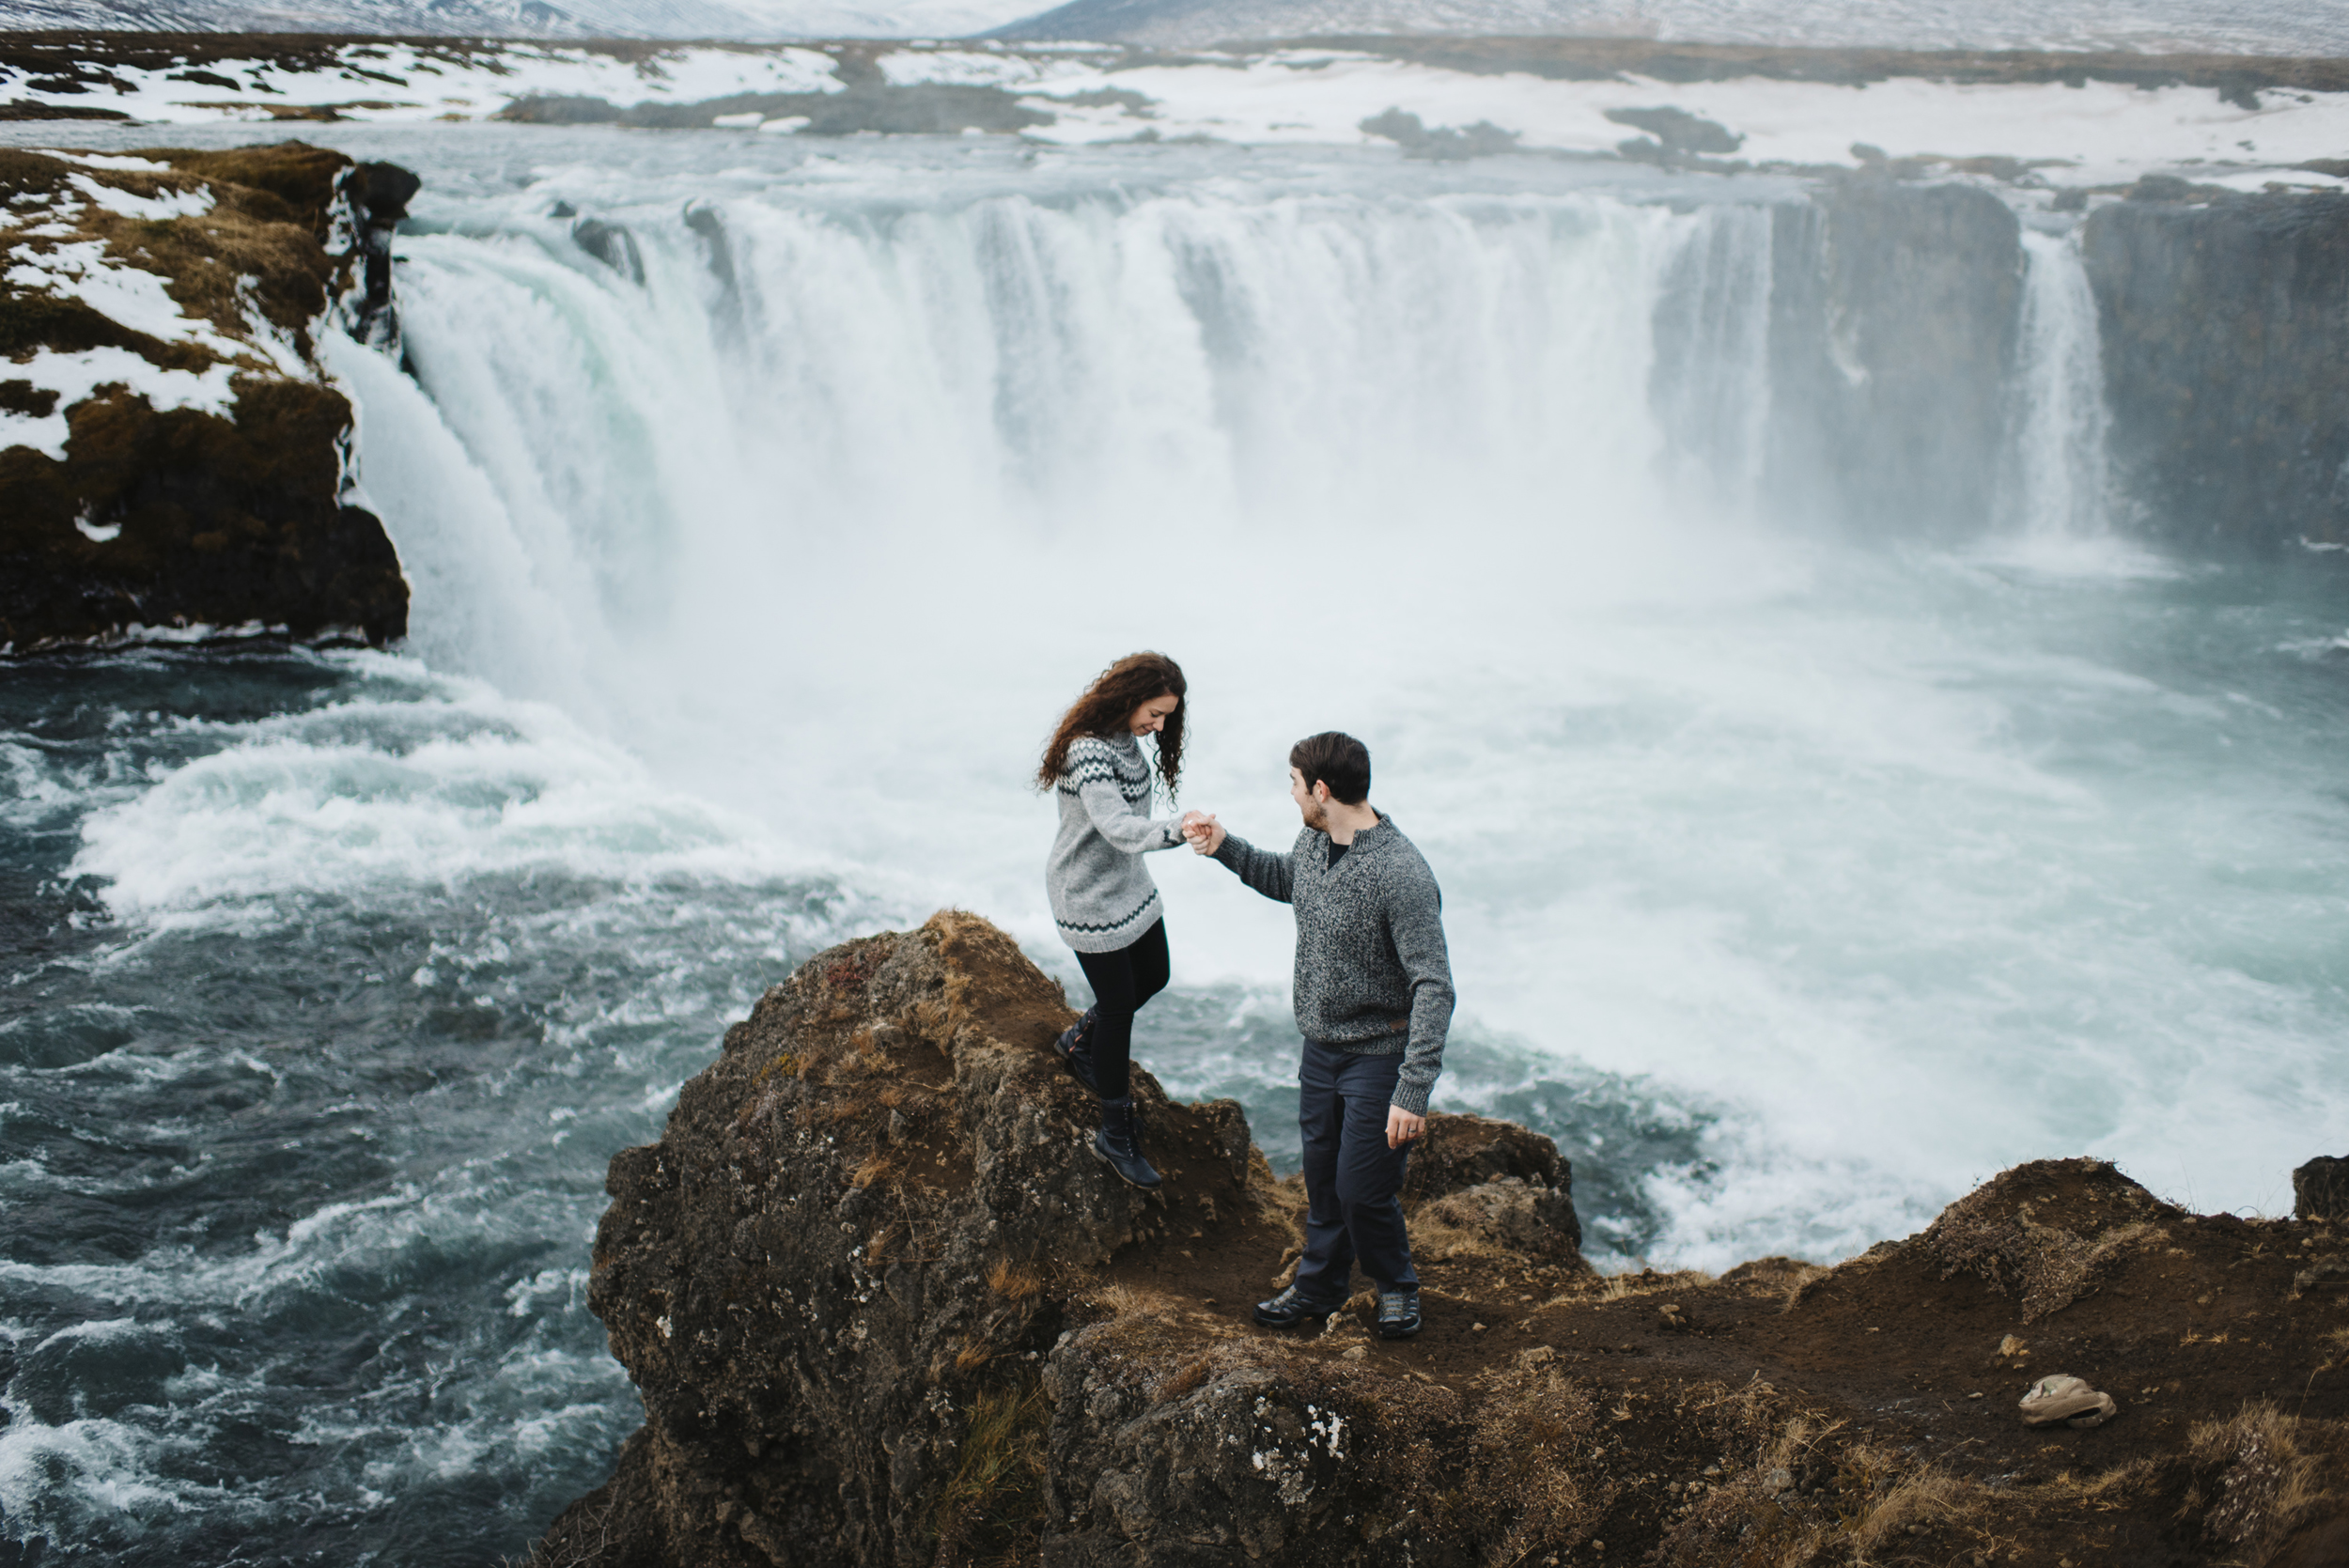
830,514
424,779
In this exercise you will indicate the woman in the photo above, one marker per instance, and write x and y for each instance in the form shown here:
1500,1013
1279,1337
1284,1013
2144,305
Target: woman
1103,900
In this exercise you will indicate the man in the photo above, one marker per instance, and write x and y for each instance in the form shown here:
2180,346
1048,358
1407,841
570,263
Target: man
1374,998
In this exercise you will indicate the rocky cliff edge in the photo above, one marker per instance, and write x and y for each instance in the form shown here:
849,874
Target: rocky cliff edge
884,1307
173,460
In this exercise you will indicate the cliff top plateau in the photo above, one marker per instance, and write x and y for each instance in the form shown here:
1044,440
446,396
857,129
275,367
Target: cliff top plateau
885,1306
172,456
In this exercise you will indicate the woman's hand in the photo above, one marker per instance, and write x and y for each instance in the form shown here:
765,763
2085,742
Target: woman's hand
1204,833
1402,1126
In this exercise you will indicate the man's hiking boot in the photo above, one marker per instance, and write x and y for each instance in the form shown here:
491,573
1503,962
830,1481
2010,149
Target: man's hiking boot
1116,1147
1398,1313
1075,1049
1293,1307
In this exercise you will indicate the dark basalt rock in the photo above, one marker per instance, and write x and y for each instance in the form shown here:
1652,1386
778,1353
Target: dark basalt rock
611,244
2320,1189
1680,131
885,1309
2225,324
183,519
377,197
872,1241
1445,143
228,524
1461,1154
1893,312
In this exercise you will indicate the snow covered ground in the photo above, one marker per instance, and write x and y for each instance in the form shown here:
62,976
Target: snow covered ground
48,249
2097,134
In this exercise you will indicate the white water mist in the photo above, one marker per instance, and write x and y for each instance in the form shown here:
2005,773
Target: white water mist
829,515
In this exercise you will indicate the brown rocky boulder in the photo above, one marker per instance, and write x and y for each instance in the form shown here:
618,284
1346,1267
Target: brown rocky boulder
2320,1189
1476,1183
885,1307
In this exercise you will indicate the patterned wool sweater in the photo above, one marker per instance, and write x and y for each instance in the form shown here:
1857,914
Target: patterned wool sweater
1373,974
1102,895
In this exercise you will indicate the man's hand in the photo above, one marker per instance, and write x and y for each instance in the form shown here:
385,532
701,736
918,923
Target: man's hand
1402,1126
1204,834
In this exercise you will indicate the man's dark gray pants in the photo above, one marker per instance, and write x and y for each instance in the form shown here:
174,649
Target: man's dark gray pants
1352,1214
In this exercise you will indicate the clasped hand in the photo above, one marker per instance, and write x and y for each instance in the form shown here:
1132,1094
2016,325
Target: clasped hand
1203,832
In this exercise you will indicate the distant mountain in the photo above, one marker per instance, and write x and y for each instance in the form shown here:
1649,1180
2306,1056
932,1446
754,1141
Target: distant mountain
748,20
499,18
2290,27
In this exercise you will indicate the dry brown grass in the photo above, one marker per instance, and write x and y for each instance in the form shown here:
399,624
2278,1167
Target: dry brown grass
207,260
1781,1277
2115,1488
1528,1435
255,255
1924,1496
1183,1380
25,173
1123,1302
2268,1482
1646,1282
992,1511
1013,1281
2047,1266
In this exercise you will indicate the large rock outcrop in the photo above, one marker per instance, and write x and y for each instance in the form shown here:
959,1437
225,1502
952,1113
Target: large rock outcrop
1848,358
2225,323
1894,309
885,1309
172,458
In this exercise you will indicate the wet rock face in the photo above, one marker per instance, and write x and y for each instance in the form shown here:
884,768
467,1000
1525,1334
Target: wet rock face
186,465
1892,317
2225,328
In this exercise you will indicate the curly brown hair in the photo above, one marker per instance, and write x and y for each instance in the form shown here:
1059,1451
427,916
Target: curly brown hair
1109,702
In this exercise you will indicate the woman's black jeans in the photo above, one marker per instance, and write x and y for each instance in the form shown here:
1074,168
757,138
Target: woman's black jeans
1122,982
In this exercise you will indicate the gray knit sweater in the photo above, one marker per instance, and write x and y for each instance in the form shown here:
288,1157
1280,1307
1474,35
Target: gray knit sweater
1102,895
1373,975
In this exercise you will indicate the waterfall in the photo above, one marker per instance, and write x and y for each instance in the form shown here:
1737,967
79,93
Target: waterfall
2059,487
1712,389
1035,390
1791,883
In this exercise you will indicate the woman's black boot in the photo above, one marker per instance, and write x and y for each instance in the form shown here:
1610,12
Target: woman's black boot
1117,1145
1075,1049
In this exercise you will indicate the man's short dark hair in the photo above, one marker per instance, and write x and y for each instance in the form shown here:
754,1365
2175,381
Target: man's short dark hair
1337,759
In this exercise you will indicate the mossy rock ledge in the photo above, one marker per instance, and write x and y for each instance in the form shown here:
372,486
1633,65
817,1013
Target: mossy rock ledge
174,461
885,1307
